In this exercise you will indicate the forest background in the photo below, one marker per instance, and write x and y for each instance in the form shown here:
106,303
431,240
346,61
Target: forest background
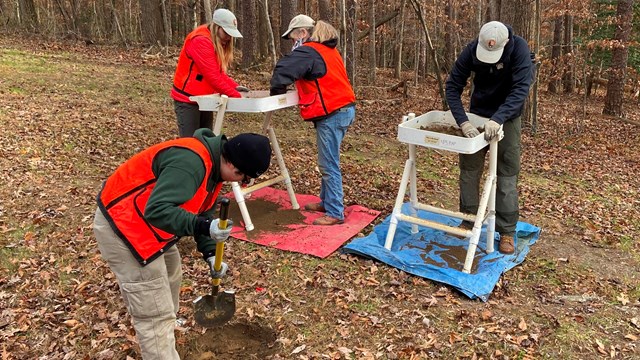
84,85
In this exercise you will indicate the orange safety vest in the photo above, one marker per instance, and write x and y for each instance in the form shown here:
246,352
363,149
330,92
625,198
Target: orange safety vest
188,80
124,196
323,96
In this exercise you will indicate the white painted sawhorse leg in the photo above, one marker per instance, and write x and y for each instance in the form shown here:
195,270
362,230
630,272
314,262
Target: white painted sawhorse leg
238,191
486,207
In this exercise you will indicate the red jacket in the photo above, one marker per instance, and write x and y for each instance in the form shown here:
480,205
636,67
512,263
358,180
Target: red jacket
198,71
124,196
323,96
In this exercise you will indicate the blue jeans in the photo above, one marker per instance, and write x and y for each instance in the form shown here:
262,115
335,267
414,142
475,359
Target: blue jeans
329,135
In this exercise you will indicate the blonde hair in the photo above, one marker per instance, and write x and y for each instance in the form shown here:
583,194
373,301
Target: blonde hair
324,31
224,53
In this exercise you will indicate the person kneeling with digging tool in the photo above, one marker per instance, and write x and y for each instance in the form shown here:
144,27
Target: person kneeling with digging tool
149,202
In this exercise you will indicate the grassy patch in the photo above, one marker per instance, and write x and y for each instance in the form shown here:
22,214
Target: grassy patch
10,258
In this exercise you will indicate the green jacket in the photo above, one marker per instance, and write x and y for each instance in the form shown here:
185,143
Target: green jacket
179,174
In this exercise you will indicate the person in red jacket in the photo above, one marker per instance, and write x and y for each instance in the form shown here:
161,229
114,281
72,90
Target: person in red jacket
326,99
159,195
202,68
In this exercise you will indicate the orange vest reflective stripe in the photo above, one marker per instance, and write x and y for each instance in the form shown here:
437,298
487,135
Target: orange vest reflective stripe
124,196
188,80
323,96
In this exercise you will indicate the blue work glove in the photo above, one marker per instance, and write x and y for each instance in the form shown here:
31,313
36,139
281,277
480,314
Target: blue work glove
491,129
216,274
217,234
469,130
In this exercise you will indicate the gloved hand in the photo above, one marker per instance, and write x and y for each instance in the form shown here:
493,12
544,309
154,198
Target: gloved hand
491,129
217,274
469,130
217,234
241,88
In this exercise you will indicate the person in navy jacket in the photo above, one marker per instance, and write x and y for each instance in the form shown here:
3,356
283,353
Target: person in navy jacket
502,67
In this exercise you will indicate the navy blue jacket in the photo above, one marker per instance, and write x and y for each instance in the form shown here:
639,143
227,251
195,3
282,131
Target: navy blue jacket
303,62
499,90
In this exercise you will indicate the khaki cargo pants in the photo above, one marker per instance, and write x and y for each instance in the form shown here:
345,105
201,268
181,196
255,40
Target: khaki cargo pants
472,167
151,293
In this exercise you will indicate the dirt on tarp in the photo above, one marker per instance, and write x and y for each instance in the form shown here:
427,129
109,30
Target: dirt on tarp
454,256
232,341
266,216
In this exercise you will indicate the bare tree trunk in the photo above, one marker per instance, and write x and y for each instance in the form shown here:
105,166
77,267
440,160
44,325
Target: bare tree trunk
288,9
372,42
265,25
418,10
27,14
568,76
208,14
556,49
325,11
534,100
193,7
151,21
351,43
520,14
117,23
617,74
449,43
399,41
166,21
68,21
493,11
479,15
249,32
343,27
229,5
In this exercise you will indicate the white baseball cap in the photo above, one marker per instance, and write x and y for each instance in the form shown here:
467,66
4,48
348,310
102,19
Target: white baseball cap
299,21
227,21
493,37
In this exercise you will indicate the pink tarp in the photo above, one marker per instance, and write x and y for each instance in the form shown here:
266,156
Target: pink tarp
305,237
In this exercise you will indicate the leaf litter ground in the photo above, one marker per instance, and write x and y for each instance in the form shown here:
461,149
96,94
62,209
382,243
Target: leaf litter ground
70,114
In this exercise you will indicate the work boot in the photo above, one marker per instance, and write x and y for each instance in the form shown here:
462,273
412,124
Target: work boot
506,244
327,220
315,207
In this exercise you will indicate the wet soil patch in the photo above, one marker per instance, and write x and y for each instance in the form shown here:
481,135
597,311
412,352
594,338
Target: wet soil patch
232,341
452,256
266,217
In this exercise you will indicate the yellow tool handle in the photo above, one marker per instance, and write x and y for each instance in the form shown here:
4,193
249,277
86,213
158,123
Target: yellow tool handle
217,264
224,214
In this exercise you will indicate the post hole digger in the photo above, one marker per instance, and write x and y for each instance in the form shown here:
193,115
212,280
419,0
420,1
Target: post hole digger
217,308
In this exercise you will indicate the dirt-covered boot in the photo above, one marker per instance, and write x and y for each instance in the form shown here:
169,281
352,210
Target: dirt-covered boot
507,245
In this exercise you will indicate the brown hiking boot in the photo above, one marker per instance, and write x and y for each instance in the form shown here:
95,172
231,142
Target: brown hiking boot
327,220
506,244
315,207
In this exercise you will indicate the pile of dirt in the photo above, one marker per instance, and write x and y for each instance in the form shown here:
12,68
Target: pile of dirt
444,129
266,216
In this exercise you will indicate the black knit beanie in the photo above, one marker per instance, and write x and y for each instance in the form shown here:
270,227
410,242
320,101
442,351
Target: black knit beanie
250,153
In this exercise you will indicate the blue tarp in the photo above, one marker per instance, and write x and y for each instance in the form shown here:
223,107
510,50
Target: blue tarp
438,256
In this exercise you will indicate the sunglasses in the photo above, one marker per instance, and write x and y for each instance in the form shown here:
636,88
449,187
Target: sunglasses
245,178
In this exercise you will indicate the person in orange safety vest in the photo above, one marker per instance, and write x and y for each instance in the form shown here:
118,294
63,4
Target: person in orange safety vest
202,68
159,195
325,98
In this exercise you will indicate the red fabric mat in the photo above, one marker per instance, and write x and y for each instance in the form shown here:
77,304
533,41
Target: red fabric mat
281,227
